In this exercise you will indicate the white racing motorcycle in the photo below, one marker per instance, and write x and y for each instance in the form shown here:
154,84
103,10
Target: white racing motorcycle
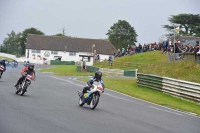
91,97
21,88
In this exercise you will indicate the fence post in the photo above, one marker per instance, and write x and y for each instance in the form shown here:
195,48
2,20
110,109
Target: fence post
136,73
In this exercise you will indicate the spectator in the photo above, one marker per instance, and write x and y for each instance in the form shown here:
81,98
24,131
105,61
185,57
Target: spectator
152,47
123,51
118,53
140,48
98,57
170,43
95,57
177,52
190,49
144,48
196,48
149,47
155,46
185,49
110,59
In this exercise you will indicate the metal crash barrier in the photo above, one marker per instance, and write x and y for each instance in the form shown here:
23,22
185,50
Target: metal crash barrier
179,88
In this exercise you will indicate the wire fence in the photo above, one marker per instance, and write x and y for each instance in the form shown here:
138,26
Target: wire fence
183,56
117,64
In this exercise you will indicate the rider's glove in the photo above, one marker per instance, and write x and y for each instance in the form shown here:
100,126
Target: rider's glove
24,74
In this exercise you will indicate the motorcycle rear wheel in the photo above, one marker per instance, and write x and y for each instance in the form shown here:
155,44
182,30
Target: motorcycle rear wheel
22,92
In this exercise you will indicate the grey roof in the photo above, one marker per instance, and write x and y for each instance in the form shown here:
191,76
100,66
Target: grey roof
190,38
58,43
192,42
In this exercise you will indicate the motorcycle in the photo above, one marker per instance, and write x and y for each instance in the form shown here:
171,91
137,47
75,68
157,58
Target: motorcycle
26,64
91,97
1,70
14,64
21,88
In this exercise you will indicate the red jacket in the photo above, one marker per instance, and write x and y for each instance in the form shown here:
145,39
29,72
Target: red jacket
32,73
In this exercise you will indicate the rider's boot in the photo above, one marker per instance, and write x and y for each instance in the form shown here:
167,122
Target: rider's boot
15,85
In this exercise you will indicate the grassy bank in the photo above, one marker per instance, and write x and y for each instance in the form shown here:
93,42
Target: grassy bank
157,63
130,88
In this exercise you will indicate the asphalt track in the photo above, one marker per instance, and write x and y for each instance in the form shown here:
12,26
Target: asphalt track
51,106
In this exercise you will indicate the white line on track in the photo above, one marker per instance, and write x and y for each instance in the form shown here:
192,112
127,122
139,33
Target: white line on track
165,110
178,112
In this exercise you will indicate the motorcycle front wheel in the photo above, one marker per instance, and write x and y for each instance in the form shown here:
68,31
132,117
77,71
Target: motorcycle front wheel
94,102
80,102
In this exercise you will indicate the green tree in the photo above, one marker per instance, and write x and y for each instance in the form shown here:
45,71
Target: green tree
13,39
189,24
11,44
122,34
24,35
59,34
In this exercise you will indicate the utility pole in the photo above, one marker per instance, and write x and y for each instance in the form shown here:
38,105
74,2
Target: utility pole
63,31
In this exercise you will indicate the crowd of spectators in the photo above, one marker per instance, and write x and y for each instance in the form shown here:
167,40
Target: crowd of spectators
96,57
166,46
137,49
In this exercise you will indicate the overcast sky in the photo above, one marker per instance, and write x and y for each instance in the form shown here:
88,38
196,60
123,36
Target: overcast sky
91,18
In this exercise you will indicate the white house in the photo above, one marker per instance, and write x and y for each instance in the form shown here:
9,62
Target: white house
63,48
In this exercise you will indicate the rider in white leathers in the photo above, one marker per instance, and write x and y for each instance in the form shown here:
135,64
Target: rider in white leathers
97,77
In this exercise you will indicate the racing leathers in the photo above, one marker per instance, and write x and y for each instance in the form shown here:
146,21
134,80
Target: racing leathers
90,82
23,73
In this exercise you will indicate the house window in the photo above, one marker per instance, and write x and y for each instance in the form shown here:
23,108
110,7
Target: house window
72,53
35,51
54,52
87,59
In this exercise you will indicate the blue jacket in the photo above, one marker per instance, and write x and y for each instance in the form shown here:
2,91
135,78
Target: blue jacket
4,64
92,79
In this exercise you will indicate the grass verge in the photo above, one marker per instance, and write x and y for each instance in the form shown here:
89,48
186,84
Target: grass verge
66,70
9,59
130,87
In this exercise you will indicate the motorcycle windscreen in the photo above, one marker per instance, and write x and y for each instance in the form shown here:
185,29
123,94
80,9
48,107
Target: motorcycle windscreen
86,96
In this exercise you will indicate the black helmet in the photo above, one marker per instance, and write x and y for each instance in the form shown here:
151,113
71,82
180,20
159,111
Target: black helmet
98,75
3,60
31,66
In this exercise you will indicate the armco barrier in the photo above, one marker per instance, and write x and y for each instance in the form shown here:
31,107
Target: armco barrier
130,73
79,68
179,88
92,68
56,62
